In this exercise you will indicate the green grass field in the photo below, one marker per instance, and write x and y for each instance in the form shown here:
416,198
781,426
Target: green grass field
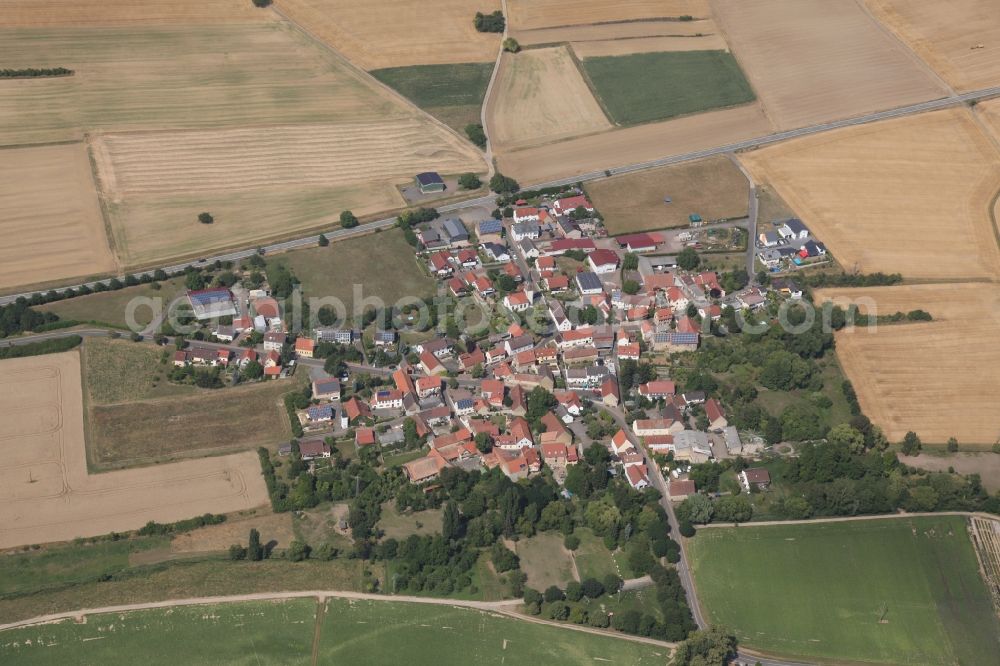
266,632
108,307
399,526
120,371
383,265
892,591
644,87
452,93
30,571
377,632
289,632
593,560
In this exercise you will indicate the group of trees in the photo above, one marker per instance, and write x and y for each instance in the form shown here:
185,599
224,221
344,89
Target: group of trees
493,22
476,134
18,317
254,551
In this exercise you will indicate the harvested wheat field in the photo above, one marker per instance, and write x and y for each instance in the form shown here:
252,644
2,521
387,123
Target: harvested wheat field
180,77
43,13
909,195
354,165
812,61
396,33
531,14
47,494
906,374
632,37
960,39
566,159
989,112
713,188
541,97
51,220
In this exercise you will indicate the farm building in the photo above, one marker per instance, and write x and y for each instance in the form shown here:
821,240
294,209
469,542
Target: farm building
454,231
326,389
603,261
679,490
212,303
429,182
589,283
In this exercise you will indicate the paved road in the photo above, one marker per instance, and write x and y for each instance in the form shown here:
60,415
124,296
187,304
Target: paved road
336,234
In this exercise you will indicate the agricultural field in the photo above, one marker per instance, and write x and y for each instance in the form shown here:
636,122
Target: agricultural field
272,632
46,13
44,470
958,39
546,560
353,632
566,159
110,307
451,93
893,591
52,222
136,429
918,363
827,78
541,97
713,188
533,14
985,464
643,87
251,120
382,266
398,33
311,172
274,528
908,195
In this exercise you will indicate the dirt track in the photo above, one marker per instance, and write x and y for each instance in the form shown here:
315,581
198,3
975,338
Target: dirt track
47,494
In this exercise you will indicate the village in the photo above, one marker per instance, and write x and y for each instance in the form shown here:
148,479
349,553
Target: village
569,310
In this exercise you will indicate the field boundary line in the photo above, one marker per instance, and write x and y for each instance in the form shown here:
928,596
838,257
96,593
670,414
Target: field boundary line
109,230
590,86
488,95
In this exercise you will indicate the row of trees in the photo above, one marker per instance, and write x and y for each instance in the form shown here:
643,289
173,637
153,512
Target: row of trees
34,72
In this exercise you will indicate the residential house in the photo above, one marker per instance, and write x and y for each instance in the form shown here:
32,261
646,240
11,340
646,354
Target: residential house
527,214
313,449
716,416
326,389
518,301
428,386
430,364
603,261
385,338
681,490
756,477
658,389
496,252
340,336
567,205
387,399
645,427
636,476
525,231
274,340
304,347
610,394
793,230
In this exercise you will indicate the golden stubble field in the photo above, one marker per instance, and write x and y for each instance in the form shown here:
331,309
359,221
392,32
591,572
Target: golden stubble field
541,97
398,33
50,217
960,39
909,195
251,120
940,379
47,494
812,61
713,188
40,13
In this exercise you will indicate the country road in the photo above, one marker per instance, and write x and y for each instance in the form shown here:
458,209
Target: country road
841,519
337,233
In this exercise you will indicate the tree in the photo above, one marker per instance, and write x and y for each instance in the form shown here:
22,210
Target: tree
571,542
844,435
552,594
469,181
733,509
298,551
696,509
194,280
592,588
261,3
348,220
502,184
205,218
510,44
630,287
255,552
237,552
451,522
252,370
911,444
688,259
612,583
559,611
574,591
715,645
952,445
323,240
476,134
503,558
